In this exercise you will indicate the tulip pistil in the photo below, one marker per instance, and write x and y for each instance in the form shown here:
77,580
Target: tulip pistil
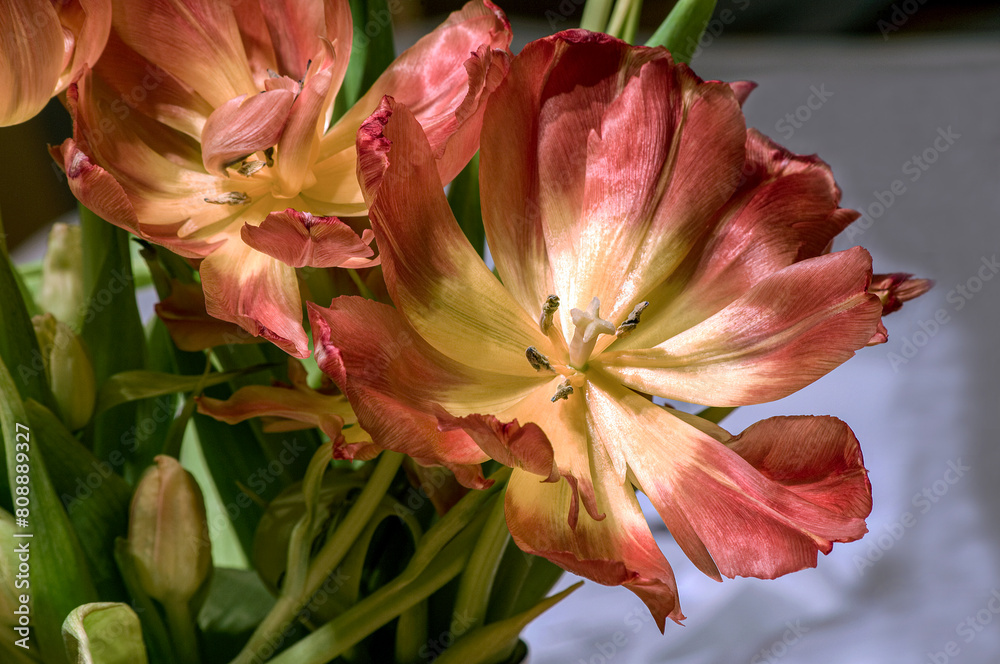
589,326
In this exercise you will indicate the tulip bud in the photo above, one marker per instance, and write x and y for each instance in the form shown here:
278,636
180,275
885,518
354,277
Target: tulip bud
68,370
168,533
62,274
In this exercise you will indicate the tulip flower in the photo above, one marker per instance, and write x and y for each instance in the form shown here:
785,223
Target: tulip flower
647,244
44,45
207,128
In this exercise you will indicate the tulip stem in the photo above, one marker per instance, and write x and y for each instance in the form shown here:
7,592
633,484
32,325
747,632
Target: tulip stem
269,634
595,15
363,289
474,589
180,623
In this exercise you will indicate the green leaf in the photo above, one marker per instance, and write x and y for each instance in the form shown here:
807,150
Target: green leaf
683,27
372,50
58,581
494,643
464,199
134,385
237,601
111,329
104,633
94,495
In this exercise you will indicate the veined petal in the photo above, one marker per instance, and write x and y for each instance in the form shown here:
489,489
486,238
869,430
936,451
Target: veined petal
30,59
787,331
191,328
444,80
289,408
616,209
242,126
397,383
299,239
618,550
197,41
764,506
297,28
785,210
298,146
257,292
447,294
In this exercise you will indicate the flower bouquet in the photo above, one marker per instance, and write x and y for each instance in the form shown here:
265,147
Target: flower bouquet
350,434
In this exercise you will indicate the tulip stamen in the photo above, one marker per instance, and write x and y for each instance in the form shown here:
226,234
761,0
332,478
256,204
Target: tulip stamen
537,360
250,166
632,321
563,391
548,310
589,326
229,198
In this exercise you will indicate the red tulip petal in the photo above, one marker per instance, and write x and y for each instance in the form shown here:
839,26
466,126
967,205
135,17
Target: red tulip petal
617,550
784,490
242,126
299,239
257,292
435,277
787,331
396,383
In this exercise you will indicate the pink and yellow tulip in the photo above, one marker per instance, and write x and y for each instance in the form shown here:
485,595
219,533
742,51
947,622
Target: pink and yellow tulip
647,244
207,128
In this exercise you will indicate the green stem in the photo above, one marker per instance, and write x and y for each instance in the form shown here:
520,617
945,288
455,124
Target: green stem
363,289
270,630
180,622
422,577
619,18
477,581
595,15
632,22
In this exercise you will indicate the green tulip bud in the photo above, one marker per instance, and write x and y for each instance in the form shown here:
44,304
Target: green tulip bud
68,370
168,533
8,568
62,274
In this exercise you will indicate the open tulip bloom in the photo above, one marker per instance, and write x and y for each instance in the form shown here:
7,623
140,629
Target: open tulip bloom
647,244
207,128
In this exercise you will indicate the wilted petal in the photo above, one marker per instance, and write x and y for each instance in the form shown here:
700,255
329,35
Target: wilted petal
299,239
191,328
742,90
257,292
787,331
449,295
445,80
896,288
288,407
242,126
396,382
764,506
618,550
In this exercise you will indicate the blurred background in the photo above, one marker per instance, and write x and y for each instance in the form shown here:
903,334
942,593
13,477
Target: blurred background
901,98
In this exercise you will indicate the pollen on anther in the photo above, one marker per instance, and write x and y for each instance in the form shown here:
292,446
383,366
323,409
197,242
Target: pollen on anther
632,321
562,392
537,360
